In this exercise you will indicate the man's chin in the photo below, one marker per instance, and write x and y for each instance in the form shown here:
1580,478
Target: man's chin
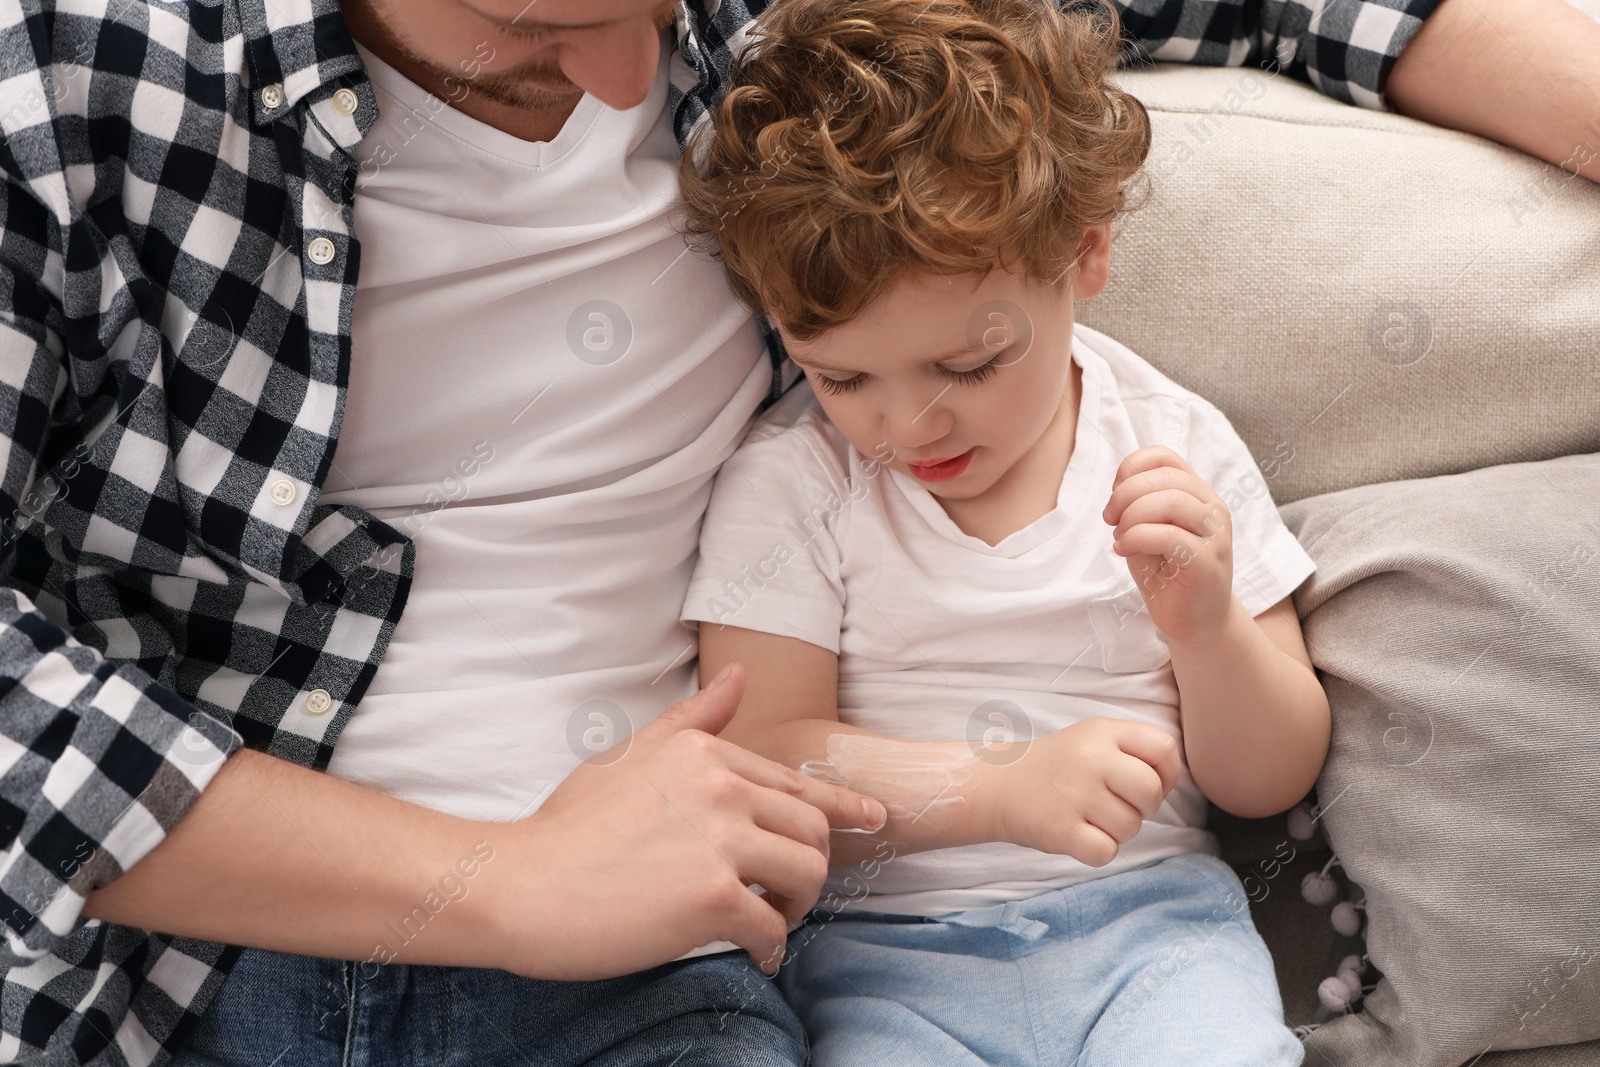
530,93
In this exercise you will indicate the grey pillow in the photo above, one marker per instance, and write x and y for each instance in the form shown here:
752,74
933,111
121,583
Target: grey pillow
1455,622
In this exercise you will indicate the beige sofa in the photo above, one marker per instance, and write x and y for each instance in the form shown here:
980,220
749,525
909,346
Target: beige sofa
1368,298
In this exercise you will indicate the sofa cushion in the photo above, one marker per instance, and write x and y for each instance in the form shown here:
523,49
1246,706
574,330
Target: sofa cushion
1367,297
1455,623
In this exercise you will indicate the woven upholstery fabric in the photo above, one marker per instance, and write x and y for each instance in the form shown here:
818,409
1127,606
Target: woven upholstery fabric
1365,296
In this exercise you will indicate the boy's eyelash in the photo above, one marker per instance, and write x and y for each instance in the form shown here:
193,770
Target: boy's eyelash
834,386
973,376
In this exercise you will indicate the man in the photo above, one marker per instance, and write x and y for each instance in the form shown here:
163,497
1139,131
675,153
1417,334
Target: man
435,234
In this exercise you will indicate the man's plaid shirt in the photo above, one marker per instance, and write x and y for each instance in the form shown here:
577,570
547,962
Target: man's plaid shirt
177,273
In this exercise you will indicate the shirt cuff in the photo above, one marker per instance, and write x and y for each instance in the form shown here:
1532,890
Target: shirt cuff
131,758
1350,46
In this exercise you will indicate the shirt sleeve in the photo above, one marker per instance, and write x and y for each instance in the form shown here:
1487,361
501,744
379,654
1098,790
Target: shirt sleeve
769,546
1269,563
97,760
1342,48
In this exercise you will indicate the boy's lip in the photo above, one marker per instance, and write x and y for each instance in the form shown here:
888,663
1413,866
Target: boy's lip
942,470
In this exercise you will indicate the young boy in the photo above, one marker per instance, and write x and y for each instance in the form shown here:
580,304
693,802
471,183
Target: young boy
1009,578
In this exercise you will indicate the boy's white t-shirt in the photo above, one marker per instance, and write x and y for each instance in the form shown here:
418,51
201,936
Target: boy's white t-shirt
943,637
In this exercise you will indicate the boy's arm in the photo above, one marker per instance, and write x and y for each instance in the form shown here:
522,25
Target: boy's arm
1080,791
1256,721
933,791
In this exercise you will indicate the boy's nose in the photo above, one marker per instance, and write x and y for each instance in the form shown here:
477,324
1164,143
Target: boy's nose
917,425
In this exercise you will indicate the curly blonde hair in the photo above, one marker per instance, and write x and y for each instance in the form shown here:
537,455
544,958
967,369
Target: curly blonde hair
864,139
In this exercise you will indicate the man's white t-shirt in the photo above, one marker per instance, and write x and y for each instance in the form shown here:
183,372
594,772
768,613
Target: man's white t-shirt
942,637
543,383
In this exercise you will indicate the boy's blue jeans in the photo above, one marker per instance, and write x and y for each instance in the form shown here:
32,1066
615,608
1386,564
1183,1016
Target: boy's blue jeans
1157,966
301,1011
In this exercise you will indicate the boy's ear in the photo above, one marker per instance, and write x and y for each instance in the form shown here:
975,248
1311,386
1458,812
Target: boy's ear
1094,262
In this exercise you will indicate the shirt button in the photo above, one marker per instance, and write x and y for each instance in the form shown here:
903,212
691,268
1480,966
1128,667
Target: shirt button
272,97
318,701
283,491
320,250
345,102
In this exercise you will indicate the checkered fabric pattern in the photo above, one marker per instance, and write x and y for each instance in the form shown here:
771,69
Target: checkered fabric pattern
177,275
1343,48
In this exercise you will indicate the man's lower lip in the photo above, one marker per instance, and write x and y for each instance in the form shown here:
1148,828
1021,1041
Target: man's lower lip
943,472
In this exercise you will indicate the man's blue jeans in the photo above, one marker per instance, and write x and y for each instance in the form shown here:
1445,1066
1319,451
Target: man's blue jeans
301,1011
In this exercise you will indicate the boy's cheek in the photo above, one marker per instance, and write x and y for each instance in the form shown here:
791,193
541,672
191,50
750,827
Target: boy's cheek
871,444
1021,409
852,420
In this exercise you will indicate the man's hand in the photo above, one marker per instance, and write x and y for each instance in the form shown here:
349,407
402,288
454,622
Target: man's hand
1177,536
1082,791
631,863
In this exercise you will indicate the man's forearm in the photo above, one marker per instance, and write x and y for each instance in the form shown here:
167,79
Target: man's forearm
277,856
1525,73
1255,720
